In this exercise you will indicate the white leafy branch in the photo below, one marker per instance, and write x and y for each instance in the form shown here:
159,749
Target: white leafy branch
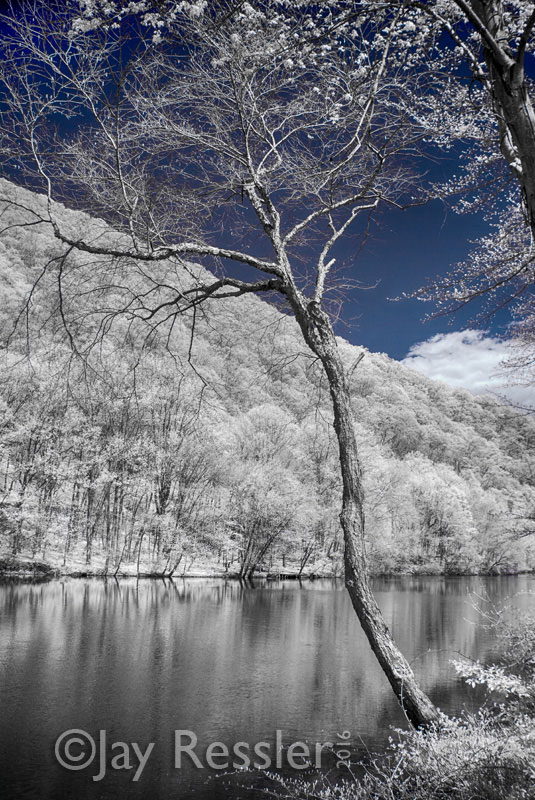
493,677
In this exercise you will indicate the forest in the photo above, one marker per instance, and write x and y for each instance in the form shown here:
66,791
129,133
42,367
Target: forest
211,451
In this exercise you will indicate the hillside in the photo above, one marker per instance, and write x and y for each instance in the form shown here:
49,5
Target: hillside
180,444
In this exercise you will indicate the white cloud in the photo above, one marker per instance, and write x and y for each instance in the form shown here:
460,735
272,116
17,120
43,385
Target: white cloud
468,359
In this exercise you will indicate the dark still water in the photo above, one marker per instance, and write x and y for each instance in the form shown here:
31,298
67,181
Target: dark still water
225,662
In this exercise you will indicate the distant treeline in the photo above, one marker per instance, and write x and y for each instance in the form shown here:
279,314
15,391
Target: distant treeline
210,441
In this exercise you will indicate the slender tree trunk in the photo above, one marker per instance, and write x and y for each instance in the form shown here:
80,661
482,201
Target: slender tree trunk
247,553
141,537
173,570
319,335
307,552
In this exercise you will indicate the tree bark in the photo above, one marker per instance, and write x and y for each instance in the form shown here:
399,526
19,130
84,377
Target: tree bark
319,335
512,103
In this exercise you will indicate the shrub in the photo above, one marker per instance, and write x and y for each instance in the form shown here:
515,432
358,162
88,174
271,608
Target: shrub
485,756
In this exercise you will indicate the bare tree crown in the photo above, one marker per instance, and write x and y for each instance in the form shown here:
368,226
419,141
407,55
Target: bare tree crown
256,135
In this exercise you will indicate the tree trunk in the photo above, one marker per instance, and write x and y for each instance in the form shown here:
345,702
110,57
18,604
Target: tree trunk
512,103
319,335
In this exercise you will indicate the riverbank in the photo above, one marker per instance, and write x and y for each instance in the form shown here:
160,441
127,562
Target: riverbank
26,568
482,755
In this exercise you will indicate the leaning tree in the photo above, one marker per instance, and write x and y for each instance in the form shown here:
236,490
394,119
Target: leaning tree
248,138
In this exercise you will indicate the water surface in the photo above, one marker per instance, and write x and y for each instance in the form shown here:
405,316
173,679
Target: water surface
227,662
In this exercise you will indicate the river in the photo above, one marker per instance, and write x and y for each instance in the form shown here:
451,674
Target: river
275,663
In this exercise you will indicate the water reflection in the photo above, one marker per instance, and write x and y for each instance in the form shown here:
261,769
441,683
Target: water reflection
225,660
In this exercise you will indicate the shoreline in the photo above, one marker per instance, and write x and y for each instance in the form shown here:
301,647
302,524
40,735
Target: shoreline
13,569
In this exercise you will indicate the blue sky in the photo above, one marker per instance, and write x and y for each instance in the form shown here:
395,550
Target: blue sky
407,248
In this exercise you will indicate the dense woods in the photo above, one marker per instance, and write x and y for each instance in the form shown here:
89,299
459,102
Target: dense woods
164,452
